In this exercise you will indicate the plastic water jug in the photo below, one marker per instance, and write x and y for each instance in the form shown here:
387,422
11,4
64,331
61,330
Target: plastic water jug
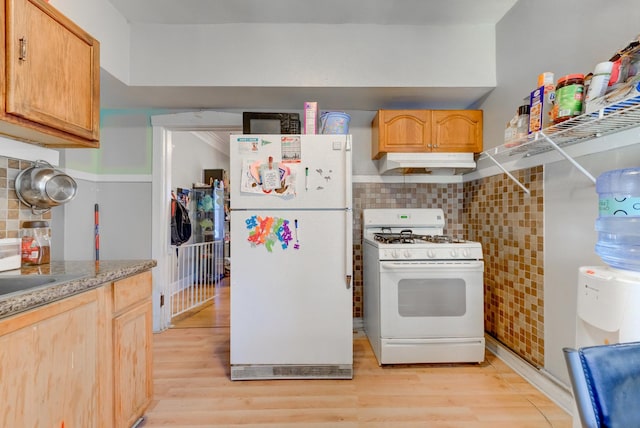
618,223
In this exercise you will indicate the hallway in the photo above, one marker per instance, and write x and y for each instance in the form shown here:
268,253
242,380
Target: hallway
213,314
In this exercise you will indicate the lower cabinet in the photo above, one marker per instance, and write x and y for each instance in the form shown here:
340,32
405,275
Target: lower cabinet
50,365
132,348
84,361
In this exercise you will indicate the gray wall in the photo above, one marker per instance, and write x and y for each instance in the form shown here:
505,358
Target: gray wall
570,37
118,178
563,37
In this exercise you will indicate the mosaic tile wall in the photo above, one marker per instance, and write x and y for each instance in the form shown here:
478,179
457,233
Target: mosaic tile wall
12,211
510,225
401,195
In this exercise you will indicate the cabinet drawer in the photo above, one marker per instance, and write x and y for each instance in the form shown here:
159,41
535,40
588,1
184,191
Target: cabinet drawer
129,291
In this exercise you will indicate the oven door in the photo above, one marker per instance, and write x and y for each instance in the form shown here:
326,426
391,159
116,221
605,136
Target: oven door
431,299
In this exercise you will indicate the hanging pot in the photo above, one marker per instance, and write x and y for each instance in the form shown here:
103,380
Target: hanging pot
43,187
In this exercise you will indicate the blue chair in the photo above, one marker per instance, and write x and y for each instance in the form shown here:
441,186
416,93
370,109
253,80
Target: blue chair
606,384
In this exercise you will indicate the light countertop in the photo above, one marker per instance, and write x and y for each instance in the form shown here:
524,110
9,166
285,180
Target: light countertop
88,275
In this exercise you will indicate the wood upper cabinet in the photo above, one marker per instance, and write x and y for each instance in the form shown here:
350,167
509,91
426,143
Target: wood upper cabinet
132,348
400,131
51,70
457,130
413,131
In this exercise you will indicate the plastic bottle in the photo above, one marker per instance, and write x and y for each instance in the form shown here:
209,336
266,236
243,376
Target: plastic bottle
510,131
618,224
599,81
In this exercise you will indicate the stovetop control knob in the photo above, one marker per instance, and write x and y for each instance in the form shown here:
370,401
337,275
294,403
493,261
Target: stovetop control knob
394,254
454,253
431,254
407,254
465,252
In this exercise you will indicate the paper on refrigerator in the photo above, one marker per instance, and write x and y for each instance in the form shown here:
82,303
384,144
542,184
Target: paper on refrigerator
267,178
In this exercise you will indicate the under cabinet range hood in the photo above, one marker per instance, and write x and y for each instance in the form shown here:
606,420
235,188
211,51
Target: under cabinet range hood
426,163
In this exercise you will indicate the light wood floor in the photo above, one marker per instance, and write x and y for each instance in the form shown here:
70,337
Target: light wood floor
192,389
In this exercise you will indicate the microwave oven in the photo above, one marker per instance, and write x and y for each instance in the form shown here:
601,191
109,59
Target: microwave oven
270,123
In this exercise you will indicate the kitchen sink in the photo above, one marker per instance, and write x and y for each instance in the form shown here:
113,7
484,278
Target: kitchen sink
10,284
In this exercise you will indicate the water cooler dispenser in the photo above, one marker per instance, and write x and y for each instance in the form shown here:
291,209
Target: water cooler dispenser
608,302
609,296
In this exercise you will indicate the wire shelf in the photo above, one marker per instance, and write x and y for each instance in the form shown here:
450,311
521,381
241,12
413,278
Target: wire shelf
614,118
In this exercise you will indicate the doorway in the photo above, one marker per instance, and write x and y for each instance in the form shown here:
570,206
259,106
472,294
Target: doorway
163,127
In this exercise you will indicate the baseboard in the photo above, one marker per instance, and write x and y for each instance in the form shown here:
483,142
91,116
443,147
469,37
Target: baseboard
539,378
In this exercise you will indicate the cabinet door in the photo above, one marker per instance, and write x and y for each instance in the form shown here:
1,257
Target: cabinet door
457,130
53,70
401,131
49,365
132,369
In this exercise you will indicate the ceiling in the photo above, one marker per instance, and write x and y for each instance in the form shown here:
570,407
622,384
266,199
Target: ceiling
114,94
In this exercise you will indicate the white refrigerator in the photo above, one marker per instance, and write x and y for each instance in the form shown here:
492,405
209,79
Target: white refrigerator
291,257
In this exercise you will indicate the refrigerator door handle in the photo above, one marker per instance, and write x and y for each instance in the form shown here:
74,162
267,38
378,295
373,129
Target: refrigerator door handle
348,173
348,256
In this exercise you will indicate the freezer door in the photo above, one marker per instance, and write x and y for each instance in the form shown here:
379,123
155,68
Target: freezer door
290,171
291,290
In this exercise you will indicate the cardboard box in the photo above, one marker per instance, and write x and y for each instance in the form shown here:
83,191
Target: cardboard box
540,108
625,95
310,117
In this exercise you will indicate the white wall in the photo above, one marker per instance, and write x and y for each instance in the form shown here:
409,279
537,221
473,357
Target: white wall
189,156
100,19
570,37
365,55
300,55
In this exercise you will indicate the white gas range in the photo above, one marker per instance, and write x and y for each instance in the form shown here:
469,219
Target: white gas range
423,292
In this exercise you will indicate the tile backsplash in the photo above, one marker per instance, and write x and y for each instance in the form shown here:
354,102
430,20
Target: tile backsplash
510,226
12,211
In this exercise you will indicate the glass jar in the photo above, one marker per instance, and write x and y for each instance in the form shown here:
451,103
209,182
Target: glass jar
36,243
522,128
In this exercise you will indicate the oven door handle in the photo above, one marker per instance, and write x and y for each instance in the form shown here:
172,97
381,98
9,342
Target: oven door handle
472,265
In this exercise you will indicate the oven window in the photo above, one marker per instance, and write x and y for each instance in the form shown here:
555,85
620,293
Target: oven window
433,297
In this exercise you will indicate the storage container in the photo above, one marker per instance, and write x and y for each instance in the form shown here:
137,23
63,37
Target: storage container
9,254
569,97
333,122
36,243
